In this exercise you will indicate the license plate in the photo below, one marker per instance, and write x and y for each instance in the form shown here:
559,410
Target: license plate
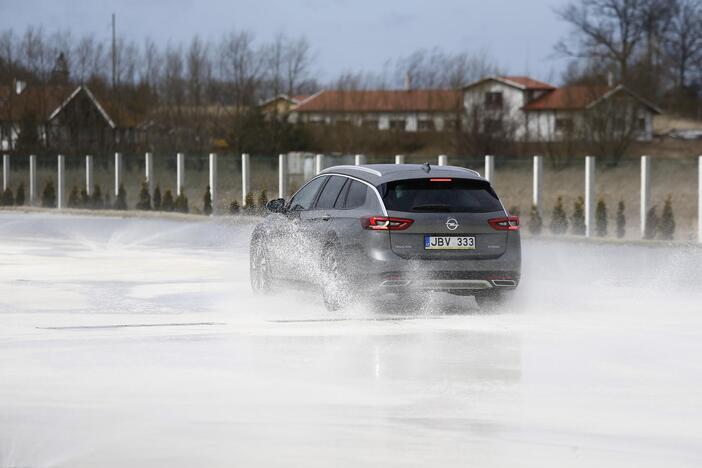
449,242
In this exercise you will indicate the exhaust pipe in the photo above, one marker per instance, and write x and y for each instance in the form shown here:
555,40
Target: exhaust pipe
504,282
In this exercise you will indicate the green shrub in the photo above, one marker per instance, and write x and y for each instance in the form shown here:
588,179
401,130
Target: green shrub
262,201
73,198
621,220
84,198
536,224
107,204
19,199
250,205
181,203
96,200
559,220
666,227
578,218
167,203
601,218
144,202
48,196
121,200
234,208
157,197
207,202
7,199
651,223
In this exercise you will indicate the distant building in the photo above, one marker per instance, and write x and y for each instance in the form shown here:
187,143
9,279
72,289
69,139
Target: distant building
530,110
571,109
61,117
541,112
281,105
413,110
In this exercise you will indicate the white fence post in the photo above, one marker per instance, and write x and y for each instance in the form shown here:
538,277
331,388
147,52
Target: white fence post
213,182
318,164
589,195
245,177
699,200
149,172
32,179
443,160
489,167
645,191
538,186
282,175
118,172
5,171
60,187
399,159
89,174
359,160
180,173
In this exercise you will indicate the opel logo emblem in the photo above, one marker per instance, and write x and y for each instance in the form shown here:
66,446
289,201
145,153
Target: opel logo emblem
452,224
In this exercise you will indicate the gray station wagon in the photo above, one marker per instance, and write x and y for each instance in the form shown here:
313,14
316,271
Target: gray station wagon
360,231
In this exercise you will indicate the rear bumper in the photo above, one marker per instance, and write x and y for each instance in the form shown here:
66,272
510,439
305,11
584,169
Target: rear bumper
377,266
447,281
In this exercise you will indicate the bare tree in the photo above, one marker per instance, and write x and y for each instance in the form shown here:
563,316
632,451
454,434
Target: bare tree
151,65
608,30
683,43
198,70
297,61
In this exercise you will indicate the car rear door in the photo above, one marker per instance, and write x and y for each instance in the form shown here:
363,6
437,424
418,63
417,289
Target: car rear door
450,218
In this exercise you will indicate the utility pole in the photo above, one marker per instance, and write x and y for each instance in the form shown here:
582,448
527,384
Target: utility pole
114,53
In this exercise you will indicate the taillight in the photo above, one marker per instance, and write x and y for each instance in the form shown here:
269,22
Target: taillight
505,224
442,179
382,223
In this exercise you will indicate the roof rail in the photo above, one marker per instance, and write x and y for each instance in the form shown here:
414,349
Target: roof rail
358,168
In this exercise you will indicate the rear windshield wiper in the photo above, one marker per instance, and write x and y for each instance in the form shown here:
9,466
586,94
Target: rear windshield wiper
432,207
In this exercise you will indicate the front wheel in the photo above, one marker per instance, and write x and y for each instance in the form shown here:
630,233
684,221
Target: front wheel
259,267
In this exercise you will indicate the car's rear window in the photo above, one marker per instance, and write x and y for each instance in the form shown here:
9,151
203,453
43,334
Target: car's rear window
440,194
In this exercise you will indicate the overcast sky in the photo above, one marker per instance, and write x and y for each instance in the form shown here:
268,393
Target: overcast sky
346,35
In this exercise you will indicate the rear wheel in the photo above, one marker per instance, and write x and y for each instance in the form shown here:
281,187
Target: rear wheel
259,267
337,289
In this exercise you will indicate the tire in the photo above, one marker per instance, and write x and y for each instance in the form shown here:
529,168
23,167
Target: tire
337,289
259,267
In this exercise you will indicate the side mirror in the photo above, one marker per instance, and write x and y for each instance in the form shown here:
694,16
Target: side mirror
276,206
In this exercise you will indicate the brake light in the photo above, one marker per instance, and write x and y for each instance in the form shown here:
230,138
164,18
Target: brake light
440,180
505,224
382,223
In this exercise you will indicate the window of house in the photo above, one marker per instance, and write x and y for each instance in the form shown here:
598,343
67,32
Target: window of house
641,124
493,100
397,124
426,125
370,124
564,125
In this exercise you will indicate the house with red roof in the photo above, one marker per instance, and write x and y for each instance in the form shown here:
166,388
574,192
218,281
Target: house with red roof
409,110
538,111
581,110
62,116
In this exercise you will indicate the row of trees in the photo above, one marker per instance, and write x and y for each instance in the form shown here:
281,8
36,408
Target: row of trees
657,227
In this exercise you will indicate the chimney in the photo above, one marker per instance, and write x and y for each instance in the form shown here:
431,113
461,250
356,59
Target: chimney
408,82
610,79
19,86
